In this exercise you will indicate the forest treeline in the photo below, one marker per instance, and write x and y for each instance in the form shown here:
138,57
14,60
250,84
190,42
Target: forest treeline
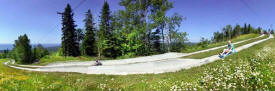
141,28
229,32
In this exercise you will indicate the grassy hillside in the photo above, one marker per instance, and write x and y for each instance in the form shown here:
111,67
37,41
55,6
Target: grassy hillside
214,52
249,69
239,38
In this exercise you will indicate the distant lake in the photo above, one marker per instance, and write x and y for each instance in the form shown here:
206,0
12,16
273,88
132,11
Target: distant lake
10,46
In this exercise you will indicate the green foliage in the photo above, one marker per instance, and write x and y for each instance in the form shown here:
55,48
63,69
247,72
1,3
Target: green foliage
5,54
89,45
128,32
258,30
156,41
140,20
227,32
39,51
79,34
173,23
237,30
193,48
106,33
70,37
54,58
178,41
22,50
204,42
60,52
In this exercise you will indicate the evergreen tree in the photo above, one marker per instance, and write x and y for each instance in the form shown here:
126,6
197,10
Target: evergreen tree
249,29
116,37
79,34
244,30
107,42
156,41
70,43
89,46
22,49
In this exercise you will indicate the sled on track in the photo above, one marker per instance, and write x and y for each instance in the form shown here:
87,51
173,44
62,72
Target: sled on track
225,55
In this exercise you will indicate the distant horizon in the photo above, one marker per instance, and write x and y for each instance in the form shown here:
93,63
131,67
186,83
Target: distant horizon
10,46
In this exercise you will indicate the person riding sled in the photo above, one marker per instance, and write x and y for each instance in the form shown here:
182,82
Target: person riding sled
230,49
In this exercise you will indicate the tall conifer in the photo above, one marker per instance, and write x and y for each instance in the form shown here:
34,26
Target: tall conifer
70,44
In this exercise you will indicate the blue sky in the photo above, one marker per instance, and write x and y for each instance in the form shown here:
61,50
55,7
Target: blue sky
40,21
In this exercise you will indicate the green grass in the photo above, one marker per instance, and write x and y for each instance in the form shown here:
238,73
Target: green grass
239,38
53,58
214,52
12,79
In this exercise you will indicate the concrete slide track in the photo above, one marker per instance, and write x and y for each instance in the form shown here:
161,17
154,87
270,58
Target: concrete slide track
169,62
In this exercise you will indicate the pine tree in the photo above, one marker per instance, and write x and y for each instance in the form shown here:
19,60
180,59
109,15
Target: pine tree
116,26
89,46
156,41
70,44
79,34
106,37
249,29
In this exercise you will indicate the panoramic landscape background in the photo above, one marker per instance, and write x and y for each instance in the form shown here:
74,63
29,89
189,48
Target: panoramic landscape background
137,45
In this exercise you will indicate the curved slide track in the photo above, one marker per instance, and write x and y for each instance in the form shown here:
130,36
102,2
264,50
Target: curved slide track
152,58
169,62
